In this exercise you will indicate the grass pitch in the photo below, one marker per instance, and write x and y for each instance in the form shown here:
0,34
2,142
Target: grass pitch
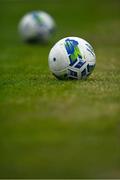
60,129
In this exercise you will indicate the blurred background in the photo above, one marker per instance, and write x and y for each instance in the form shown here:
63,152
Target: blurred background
60,129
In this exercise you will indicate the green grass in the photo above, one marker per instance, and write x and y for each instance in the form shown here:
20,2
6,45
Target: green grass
60,129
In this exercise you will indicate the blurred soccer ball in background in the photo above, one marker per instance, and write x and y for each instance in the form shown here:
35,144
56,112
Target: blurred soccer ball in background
36,26
72,58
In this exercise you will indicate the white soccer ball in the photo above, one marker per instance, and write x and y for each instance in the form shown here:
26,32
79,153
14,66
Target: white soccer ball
72,58
36,26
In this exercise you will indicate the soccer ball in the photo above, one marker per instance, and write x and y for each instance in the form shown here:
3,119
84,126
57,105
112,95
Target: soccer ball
72,58
37,26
